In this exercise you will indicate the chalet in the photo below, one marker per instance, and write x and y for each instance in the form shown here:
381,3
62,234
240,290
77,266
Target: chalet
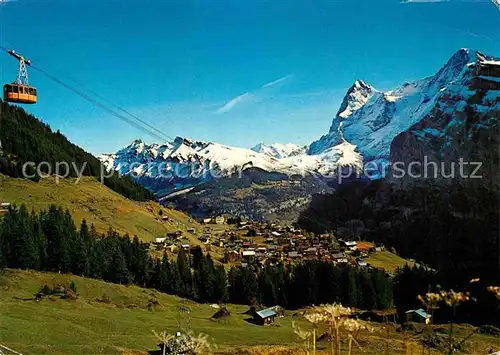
350,244
266,316
185,246
248,253
191,230
364,247
220,220
418,315
311,251
293,255
172,248
174,234
338,256
207,220
246,244
164,218
160,240
276,234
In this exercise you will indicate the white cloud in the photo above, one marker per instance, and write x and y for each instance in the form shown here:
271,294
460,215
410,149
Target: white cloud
228,106
253,96
275,82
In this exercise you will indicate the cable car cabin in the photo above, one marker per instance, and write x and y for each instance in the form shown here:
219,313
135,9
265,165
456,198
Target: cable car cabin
17,93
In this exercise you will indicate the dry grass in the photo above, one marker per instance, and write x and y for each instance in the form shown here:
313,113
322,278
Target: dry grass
387,261
122,324
96,203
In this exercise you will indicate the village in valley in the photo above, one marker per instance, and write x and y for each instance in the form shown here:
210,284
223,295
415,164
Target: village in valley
246,243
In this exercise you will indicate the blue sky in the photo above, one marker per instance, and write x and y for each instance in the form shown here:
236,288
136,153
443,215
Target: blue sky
235,72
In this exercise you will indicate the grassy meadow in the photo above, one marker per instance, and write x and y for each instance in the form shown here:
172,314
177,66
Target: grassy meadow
88,199
116,319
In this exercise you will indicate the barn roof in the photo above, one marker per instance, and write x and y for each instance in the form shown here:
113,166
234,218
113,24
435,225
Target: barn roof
266,313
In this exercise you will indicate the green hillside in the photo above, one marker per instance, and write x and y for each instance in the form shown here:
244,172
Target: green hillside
88,199
387,261
24,138
112,319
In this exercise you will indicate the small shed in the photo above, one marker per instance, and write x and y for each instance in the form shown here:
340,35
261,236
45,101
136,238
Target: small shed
264,317
418,315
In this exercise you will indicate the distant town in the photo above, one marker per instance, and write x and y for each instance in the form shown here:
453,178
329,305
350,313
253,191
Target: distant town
241,242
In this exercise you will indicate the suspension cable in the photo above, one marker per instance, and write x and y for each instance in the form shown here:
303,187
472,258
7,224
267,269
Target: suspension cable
149,129
99,104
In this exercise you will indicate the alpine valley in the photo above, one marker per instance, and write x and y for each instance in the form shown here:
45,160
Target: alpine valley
450,115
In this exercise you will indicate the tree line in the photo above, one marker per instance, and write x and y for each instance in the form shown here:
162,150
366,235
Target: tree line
50,241
26,139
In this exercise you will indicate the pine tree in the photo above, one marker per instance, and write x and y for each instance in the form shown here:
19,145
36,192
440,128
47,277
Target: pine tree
220,289
40,240
352,287
186,278
80,251
369,301
267,288
204,278
118,271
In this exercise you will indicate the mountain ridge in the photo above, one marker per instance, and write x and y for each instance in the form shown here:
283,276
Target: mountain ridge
363,131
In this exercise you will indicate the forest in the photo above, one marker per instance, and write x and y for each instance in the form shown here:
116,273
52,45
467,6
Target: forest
50,241
26,139
453,229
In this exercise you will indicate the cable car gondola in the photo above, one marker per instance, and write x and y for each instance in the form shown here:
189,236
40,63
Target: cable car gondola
19,91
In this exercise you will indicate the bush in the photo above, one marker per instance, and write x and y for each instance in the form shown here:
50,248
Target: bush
72,286
63,291
4,281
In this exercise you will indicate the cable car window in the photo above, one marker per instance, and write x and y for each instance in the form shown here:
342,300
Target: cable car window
15,89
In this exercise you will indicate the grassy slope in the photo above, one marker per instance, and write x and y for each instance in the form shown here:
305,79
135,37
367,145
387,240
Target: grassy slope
97,204
387,261
85,326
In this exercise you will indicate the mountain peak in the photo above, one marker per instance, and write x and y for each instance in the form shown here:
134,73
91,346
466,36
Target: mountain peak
278,150
357,95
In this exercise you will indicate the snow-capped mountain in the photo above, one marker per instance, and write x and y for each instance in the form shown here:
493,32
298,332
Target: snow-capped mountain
370,119
279,151
184,163
363,130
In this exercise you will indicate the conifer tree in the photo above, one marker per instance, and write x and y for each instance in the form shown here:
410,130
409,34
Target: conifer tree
186,278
